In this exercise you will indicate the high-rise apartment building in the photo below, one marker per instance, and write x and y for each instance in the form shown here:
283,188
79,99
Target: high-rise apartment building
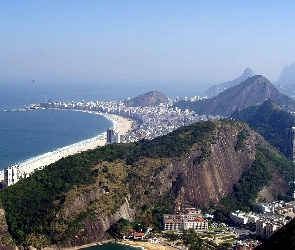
112,136
290,140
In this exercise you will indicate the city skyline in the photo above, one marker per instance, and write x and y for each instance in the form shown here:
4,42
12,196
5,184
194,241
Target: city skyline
203,42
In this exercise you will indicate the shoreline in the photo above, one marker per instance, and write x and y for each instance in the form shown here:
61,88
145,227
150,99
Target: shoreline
120,124
143,245
146,245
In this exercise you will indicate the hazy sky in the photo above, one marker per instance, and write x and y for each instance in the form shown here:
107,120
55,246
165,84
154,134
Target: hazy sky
205,42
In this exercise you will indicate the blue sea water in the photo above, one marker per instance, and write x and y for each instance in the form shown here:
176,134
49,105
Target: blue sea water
26,134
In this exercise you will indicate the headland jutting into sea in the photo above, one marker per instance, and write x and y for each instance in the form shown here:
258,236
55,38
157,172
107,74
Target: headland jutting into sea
131,123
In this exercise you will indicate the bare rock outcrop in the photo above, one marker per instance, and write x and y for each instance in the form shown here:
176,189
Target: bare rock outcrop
95,227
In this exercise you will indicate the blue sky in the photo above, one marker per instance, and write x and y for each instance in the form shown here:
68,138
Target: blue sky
203,42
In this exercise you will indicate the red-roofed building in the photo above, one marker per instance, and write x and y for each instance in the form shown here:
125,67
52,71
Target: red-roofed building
140,236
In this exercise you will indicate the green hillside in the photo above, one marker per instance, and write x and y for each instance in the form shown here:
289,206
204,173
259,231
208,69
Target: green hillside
75,200
269,120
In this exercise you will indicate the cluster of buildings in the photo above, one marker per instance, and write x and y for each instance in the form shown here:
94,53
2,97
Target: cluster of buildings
270,218
266,226
190,219
248,244
151,121
242,218
276,207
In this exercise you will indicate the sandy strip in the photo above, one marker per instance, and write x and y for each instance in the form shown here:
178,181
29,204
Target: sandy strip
120,124
148,245
140,244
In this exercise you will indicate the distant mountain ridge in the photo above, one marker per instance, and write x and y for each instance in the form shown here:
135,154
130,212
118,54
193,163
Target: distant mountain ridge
286,82
151,98
287,76
217,89
252,92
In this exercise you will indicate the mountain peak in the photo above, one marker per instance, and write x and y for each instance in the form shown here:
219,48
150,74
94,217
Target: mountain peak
251,92
217,89
287,76
248,72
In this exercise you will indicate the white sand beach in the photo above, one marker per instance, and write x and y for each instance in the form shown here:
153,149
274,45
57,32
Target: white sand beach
120,125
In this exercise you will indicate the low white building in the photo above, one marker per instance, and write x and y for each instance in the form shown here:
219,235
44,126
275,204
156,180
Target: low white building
266,208
243,218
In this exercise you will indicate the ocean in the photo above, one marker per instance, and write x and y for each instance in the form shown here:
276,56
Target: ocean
27,134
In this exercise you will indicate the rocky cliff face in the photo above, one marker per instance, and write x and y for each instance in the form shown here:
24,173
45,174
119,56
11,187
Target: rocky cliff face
277,185
208,173
95,227
96,223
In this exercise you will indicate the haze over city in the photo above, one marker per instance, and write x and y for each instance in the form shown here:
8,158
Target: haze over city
201,42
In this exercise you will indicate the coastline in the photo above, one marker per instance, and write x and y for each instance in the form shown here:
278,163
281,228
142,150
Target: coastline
147,245
144,245
120,124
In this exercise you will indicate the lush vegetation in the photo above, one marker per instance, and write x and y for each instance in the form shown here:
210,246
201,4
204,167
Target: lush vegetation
269,120
30,204
174,144
241,139
251,182
192,240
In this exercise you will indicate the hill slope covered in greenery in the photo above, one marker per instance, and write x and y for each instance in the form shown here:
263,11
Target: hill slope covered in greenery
269,120
75,200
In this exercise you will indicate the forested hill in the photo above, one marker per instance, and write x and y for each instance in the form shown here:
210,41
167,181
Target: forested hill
152,98
269,120
252,92
75,200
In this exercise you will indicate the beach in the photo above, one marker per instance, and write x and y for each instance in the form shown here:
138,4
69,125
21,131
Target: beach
148,245
120,125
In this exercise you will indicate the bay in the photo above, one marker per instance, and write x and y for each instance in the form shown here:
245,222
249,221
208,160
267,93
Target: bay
27,134
30,133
